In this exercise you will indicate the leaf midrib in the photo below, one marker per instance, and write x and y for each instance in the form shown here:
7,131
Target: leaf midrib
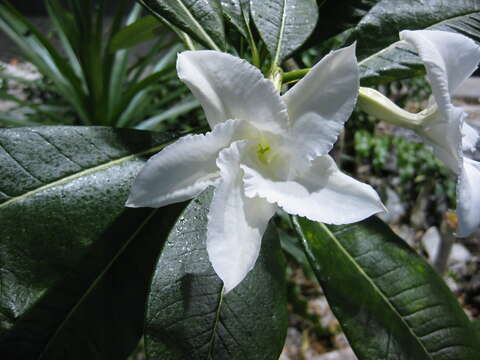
378,53
375,287
215,324
281,32
83,173
197,24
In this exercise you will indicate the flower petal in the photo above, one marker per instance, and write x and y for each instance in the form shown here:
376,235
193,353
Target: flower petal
183,169
323,194
230,88
235,223
449,59
444,134
470,137
322,101
468,198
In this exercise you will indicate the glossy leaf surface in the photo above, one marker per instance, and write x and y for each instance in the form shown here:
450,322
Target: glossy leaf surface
284,25
397,61
75,265
203,20
189,318
380,27
390,302
334,19
237,12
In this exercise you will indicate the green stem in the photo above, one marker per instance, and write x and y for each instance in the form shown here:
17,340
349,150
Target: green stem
276,77
293,76
188,41
255,54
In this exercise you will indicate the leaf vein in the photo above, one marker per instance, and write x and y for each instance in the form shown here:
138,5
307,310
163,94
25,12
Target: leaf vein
77,175
57,148
28,172
379,291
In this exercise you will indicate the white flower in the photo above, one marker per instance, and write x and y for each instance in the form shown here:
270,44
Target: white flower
264,151
450,59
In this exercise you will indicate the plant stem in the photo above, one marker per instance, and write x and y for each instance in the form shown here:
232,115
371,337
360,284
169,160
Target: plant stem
445,247
294,76
188,42
276,77
253,47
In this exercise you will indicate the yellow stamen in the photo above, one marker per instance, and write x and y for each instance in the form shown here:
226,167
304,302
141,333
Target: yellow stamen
262,151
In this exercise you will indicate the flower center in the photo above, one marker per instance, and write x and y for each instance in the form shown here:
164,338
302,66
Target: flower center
263,152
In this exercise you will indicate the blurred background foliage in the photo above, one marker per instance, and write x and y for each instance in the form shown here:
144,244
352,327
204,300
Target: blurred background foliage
89,74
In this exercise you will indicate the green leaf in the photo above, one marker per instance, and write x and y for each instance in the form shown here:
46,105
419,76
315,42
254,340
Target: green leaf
43,55
237,12
380,28
334,19
67,31
395,62
75,267
476,326
200,19
7,120
173,112
117,71
146,28
189,318
389,301
284,25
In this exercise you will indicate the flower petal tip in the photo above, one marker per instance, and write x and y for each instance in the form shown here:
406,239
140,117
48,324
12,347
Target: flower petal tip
382,208
228,287
352,47
131,204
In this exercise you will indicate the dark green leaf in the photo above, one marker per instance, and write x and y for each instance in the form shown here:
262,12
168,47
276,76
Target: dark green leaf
74,267
380,28
203,20
238,13
67,31
291,245
476,325
389,301
146,28
188,318
117,71
334,19
397,61
284,25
